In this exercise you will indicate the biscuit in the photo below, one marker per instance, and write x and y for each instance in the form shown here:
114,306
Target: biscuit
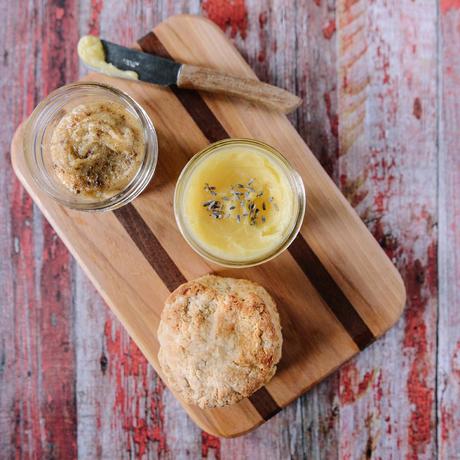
220,340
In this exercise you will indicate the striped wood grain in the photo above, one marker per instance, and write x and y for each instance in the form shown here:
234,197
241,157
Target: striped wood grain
387,108
37,349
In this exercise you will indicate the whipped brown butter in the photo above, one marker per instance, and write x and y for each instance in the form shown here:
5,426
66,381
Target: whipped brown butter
97,148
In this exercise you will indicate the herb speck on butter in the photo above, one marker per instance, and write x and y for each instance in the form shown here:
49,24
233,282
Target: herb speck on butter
239,202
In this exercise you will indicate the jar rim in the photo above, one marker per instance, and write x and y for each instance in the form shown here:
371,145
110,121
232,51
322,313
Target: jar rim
34,150
294,179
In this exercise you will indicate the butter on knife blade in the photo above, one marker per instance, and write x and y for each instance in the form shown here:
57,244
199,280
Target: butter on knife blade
91,52
116,60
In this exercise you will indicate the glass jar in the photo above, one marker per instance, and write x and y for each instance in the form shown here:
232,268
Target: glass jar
38,133
296,197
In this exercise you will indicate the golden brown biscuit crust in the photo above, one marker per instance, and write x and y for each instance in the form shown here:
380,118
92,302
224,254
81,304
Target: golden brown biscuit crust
220,340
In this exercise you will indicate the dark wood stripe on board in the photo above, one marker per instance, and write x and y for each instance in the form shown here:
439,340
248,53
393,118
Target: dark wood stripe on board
191,100
331,293
264,403
150,247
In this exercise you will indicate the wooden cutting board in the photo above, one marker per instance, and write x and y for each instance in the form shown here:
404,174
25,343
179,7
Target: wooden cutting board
335,288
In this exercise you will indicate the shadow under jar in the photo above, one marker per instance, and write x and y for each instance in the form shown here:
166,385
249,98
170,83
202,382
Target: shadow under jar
239,203
82,174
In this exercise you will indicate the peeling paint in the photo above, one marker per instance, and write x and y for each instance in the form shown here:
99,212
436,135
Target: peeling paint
417,108
94,27
447,5
142,413
263,18
351,386
228,14
210,442
329,29
353,190
419,390
333,117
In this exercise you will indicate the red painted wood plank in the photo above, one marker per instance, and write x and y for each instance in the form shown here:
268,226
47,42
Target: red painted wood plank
388,172
449,229
39,417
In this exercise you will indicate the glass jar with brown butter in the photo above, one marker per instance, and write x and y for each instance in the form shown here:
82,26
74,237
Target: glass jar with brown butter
91,147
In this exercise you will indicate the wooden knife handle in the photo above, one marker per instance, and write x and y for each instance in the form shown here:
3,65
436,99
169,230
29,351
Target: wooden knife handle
201,78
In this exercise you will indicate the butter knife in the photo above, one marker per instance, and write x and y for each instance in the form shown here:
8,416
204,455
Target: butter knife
161,71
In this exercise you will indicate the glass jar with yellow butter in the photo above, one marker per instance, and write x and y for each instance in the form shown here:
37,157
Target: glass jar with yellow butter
239,202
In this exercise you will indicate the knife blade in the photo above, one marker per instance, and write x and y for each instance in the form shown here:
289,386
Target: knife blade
150,68
165,72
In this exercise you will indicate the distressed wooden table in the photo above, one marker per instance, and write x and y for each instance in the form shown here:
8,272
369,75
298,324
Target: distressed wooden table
381,86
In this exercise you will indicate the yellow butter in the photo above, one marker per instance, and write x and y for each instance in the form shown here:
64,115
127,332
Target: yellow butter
233,236
91,52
